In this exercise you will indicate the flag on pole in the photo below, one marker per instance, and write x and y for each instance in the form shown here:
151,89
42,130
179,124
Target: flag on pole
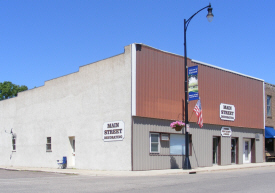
198,112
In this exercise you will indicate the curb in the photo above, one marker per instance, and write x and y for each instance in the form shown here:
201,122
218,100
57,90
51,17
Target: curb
141,173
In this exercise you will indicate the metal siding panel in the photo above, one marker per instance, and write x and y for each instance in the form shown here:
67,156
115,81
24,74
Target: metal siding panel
160,91
160,81
217,86
201,148
259,148
141,158
226,150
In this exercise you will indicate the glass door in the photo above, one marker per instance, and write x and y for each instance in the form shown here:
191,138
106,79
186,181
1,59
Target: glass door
215,150
246,151
233,151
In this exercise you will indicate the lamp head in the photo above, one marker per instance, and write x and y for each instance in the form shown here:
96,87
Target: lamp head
210,14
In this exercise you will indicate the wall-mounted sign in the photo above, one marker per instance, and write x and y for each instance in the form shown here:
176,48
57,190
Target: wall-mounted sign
227,112
164,137
187,127
113,131
257,136
226,131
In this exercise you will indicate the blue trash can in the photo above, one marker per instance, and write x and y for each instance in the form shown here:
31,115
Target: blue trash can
64,162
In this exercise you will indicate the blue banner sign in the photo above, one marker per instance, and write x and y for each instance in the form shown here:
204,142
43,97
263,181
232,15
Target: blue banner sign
193,89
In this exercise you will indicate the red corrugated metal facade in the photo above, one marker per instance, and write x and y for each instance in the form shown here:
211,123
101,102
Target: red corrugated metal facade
160,91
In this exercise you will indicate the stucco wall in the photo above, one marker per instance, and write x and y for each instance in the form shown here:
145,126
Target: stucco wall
74,105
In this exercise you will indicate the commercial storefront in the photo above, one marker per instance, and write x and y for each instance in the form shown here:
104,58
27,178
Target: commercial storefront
269,122
115,114
232,137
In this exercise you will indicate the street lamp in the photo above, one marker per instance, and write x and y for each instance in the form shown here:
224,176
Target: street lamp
209,16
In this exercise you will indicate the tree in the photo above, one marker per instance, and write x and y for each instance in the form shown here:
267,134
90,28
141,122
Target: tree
9,90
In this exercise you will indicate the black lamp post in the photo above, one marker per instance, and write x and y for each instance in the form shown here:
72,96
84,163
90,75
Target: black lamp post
209,16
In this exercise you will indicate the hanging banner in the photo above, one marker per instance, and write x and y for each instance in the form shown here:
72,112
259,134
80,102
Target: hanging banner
193,89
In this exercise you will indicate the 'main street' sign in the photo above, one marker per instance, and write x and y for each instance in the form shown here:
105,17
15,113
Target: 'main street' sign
227,112
113,131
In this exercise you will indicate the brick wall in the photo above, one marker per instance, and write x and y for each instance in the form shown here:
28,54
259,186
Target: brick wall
270,90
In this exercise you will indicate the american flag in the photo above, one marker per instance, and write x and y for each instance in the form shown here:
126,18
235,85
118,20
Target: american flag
198,112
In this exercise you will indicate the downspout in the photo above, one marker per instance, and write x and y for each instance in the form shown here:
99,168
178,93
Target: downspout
133,98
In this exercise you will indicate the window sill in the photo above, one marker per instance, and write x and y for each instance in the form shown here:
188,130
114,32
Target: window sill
49,151
157,154
13,150
151,153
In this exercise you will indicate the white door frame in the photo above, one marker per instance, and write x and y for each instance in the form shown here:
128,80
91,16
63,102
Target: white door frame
246,151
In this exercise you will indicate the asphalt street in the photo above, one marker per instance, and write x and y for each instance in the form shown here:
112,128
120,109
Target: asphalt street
246,180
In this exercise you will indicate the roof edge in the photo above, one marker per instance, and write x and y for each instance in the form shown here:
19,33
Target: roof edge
210,65
159,49
206,64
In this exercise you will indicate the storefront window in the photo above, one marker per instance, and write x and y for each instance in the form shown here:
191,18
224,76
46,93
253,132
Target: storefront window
177,144
269,144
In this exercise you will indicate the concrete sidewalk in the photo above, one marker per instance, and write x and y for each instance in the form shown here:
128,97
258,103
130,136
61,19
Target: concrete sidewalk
142,173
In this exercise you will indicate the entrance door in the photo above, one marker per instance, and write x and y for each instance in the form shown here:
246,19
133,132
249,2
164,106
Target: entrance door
215,150
72,150
233,150
247,151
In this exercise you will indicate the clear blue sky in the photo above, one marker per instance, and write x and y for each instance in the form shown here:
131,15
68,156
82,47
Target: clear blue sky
45,39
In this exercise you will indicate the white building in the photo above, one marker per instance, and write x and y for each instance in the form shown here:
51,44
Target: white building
71,110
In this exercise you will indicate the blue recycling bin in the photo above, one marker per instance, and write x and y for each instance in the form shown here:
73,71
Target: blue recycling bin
64,162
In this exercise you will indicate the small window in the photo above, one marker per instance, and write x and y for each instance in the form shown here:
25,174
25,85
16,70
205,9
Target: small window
13,143
154,143
268,106
49,144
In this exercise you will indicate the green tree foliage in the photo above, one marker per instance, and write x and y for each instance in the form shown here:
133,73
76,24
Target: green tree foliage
9,90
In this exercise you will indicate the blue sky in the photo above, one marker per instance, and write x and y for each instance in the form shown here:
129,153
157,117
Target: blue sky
45,39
